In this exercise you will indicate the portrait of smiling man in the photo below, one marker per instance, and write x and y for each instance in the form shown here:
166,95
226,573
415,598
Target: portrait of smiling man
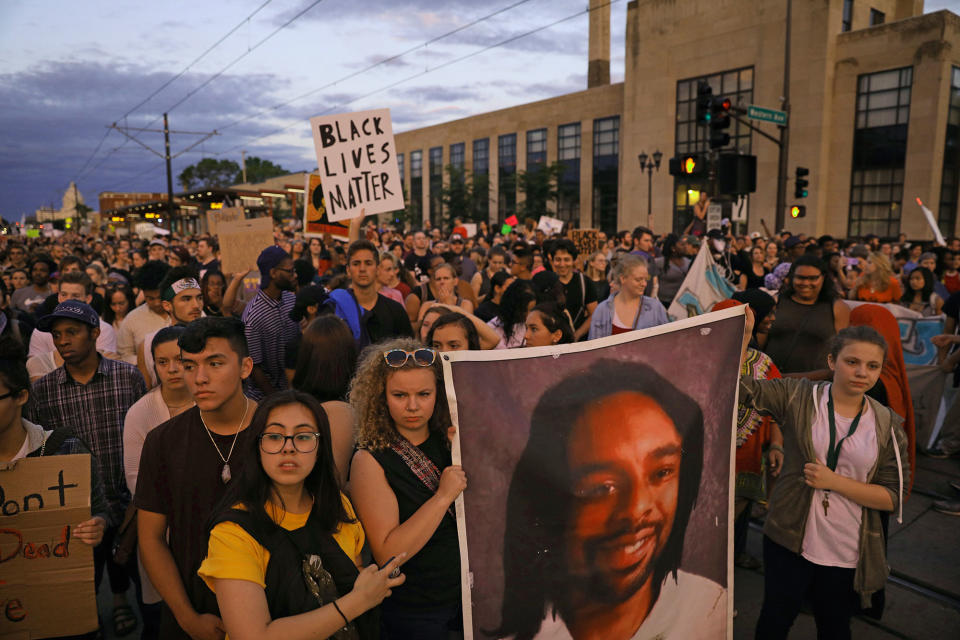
594,541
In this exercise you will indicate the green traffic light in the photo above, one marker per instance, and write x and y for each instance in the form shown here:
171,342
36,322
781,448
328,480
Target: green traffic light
708,116
805,193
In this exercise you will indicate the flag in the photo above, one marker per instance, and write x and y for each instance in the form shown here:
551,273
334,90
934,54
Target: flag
703,287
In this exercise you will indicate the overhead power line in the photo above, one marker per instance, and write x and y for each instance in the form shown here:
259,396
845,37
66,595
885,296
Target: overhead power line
443,65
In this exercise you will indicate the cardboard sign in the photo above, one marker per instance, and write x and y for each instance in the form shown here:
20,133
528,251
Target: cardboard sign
46,576
225,214
357,157
315,220
586,240
550,225
241,242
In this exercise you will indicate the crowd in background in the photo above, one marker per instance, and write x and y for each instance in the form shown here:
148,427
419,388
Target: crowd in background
299,404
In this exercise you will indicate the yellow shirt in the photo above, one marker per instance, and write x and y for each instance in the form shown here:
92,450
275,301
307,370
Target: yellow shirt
233,554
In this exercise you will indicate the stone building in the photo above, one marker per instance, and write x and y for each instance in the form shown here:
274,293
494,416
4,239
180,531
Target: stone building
874,113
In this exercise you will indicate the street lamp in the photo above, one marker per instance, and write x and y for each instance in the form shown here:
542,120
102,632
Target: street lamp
650,167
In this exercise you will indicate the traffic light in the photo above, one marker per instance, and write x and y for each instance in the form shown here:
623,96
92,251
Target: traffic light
798,211
719,122
688,165
800,183
704,102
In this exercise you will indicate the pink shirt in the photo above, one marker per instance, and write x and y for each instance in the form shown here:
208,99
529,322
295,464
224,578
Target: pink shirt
833,540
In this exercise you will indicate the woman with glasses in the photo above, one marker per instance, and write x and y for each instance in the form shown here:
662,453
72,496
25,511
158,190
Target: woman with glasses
404,485
284,550
628,309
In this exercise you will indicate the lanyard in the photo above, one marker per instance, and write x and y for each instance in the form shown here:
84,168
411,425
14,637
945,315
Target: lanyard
833,452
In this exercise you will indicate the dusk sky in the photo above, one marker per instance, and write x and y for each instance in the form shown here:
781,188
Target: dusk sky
70,69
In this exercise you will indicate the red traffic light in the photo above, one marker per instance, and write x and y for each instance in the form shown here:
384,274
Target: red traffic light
689,165
725,104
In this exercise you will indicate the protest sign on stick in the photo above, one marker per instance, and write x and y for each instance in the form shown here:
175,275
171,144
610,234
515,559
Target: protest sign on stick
242,241
542,432
357,157
315,219
46,575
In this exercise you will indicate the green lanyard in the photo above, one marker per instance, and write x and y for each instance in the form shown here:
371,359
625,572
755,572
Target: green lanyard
833,452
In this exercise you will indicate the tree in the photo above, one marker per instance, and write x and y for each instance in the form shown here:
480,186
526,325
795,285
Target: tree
208,173
259,170
465,196
540,187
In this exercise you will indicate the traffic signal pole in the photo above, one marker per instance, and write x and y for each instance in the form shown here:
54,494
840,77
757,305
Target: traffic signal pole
784,131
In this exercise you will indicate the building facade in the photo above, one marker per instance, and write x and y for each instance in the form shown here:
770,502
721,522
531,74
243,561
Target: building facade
874,113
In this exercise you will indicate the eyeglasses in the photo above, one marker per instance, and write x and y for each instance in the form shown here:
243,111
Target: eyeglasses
396,358
9,394
302,442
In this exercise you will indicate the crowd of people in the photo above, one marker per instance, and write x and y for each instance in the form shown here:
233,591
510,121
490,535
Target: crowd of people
275,443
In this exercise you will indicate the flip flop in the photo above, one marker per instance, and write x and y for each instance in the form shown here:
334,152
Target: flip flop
124,620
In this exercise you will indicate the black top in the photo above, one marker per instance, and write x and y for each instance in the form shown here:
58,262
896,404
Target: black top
180,478
50,303
488,310
433,574
388,319
753,280
419,266
577,297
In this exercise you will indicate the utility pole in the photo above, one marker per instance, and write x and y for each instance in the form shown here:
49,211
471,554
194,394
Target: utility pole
166,148
784,132
243,164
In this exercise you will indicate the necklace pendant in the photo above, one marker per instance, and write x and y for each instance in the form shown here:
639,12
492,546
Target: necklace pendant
225,474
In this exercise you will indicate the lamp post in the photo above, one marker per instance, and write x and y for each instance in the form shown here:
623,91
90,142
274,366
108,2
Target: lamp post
650,167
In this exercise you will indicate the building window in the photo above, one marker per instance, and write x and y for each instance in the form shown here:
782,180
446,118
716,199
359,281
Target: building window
606,172
690,137
481,178
846,23
879,152
950,181
400,166
457,152
416,185
568,154
877,17
507,175
436,185
536,148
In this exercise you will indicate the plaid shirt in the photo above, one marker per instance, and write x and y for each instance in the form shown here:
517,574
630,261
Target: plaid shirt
95,413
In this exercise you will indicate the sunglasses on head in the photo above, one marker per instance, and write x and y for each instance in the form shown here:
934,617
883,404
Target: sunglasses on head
397,358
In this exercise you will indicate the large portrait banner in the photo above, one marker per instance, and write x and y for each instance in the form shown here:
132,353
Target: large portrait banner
600,490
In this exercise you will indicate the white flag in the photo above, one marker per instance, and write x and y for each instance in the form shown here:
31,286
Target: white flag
703,287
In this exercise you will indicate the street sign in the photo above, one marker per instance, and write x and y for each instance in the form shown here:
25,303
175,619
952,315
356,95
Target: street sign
767,115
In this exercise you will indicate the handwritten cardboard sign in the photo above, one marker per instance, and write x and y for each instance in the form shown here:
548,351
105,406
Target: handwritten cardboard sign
357,157
550,225
241,242
46,576
586,240
226,214
315,219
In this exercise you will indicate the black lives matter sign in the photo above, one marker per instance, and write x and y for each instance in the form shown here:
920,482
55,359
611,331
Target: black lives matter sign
357,160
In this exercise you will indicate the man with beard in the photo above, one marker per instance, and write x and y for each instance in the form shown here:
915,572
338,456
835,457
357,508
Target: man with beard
595,537
267,321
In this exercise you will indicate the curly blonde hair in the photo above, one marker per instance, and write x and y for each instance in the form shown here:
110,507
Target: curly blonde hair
882,274
368,395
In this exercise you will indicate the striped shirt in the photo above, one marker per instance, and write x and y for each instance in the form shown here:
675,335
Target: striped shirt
94,412
268,327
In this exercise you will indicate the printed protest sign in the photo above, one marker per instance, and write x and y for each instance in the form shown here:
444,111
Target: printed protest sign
357,157
315,219
550,225
226,214
46,576
596,474
241,242
586,240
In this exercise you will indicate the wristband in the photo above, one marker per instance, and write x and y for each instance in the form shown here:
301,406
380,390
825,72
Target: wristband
346,622
776,447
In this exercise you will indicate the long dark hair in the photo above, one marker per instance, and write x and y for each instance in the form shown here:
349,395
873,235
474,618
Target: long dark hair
327,359
925,293
556,318
827,293
460,320
109,316
540,495
253,489
513,306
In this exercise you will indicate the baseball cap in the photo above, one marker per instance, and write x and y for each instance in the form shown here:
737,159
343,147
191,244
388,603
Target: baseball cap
692,240
791,242
270,258
71,310
160,241
456,237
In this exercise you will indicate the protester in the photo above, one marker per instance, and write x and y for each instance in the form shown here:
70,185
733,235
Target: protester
206,259
580,294
118,303
90,394
380,318
808,315
453,331
488,309
629,308
182,299
30,296
877,283
73,286
388,276
823,527
186,465
548,324
267,322
673,265
441,287
515,303
285,518
149,316
919,295
403,485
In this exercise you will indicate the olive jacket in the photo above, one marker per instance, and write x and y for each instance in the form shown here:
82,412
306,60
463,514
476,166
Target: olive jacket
792,402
